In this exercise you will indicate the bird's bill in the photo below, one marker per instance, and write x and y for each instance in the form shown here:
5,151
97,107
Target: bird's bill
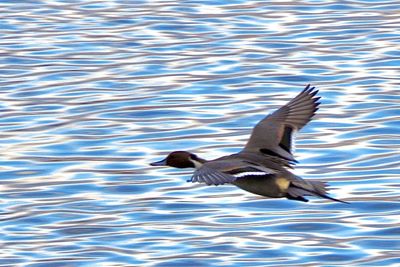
159,163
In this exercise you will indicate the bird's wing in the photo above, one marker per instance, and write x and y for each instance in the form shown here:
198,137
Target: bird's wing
227,171
275,134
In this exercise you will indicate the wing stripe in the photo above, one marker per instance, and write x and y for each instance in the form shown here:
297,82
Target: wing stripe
216,174
255,173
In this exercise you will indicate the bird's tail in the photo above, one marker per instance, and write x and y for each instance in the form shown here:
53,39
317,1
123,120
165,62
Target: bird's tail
297,190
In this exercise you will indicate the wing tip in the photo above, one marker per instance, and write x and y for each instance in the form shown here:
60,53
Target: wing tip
310,89
312,92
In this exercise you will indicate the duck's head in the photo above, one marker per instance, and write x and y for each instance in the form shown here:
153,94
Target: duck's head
180,159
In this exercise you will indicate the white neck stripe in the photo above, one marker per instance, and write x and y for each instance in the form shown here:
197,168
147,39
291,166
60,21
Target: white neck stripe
197,164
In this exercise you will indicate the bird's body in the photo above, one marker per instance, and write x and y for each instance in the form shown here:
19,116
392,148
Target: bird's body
262,167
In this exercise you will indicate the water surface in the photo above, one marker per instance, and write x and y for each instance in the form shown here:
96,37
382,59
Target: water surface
91,92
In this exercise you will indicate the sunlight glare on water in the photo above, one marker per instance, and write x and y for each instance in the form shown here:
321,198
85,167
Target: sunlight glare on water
93,91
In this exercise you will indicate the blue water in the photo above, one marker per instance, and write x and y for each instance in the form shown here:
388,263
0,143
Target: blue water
92,91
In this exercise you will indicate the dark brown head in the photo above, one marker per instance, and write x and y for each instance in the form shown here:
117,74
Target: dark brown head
180,159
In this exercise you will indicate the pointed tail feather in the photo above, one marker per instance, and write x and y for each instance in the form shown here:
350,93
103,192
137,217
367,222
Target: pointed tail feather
318,189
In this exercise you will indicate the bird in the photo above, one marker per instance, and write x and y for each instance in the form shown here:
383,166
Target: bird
263,166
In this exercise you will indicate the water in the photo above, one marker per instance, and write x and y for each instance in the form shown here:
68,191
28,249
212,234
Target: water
91,92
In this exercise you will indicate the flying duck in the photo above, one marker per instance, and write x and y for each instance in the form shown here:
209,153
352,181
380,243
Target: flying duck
262,166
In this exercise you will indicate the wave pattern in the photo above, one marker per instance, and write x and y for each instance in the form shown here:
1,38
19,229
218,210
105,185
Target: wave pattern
92,91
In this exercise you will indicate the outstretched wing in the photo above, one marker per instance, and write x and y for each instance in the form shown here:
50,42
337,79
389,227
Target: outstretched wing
211,176
227,171
274,135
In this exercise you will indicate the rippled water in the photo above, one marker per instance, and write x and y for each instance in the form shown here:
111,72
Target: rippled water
91,92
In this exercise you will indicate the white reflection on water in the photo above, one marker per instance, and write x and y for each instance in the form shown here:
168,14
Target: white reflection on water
92,92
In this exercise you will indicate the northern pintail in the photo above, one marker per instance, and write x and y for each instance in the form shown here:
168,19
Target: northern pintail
262,166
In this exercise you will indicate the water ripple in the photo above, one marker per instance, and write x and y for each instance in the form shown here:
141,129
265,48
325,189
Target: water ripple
92,91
